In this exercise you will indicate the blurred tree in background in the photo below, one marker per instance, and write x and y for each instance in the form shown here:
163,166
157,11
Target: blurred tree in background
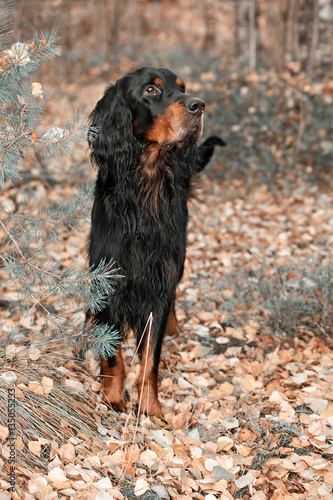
94,36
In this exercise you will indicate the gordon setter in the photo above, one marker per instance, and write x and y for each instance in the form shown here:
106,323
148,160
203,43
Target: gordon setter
146,154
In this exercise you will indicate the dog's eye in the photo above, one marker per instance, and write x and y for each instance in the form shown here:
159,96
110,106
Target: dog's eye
182,88
152,90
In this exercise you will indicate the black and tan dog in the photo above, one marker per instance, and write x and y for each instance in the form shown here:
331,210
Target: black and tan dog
146,153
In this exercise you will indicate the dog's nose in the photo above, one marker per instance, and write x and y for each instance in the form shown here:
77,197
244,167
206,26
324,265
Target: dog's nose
195,106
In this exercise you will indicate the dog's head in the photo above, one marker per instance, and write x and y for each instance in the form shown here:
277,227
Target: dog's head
162,112
146,107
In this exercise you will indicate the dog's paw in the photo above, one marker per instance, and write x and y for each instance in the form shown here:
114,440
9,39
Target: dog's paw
116,404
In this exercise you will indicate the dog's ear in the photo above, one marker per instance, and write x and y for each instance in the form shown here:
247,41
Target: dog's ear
113,145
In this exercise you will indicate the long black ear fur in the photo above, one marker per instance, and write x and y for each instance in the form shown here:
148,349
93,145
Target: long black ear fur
114,146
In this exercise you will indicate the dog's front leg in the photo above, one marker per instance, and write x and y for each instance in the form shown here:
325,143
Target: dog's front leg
150,344
113,373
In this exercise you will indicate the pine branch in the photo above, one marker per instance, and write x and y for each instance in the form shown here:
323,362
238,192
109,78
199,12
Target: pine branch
6,21
23,58
49,291
41,284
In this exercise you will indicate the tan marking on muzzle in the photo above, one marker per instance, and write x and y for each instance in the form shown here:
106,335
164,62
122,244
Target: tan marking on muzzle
170,127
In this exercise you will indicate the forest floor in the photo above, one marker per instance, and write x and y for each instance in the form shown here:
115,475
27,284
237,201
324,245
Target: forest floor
246,388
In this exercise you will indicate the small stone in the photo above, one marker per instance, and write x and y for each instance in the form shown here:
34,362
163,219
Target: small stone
201,330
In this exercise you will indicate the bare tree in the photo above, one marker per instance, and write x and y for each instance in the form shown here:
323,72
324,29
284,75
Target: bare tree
210,24
241,25
252,34
315,36
117,15
291,35
307,32
325,32
247,29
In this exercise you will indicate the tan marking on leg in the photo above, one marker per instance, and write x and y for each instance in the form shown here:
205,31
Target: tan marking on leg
147,383
172,324
113,377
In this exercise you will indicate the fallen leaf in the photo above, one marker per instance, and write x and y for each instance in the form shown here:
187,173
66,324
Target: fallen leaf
221,473
243,451
47,384
34,137
230,423
148,458
210,463
36,484
141,486
103,484
163,438
160,491
57,474
245,480
248,383
37,89
224,443
34,447
67,453
3,432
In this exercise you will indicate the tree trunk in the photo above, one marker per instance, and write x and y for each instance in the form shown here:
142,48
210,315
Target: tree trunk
325,33
210,25
118,10
252,35
248,30
291,51
242,25
315,36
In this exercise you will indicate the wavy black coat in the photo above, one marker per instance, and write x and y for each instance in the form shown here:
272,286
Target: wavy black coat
138,221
